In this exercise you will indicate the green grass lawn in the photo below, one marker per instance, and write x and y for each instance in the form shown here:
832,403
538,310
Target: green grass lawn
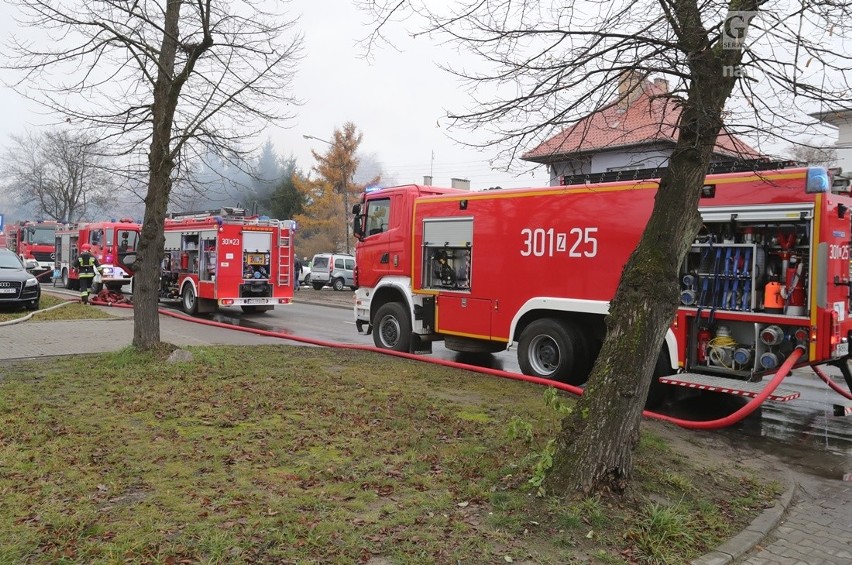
284,454
55,307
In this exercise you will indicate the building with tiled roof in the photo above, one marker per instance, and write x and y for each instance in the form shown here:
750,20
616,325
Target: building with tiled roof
637,131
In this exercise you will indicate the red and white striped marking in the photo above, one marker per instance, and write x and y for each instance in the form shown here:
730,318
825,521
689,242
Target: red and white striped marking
728,386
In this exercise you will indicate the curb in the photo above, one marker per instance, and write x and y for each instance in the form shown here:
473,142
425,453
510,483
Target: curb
759,529
31,314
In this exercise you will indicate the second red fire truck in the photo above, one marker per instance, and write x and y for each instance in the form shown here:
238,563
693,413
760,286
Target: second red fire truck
226,258
112,242
535,269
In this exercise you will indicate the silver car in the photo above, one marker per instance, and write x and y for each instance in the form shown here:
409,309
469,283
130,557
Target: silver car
334,270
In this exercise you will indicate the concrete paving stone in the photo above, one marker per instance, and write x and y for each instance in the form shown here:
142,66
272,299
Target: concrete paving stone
741,543
713,558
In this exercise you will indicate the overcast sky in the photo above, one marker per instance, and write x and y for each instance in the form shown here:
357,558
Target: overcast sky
397,101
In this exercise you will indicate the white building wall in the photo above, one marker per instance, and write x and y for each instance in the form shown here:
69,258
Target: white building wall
844,145
604,161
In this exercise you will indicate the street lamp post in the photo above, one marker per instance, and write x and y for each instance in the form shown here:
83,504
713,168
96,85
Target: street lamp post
344,188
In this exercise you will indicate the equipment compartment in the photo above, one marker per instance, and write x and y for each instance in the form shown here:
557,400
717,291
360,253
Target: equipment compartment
750,266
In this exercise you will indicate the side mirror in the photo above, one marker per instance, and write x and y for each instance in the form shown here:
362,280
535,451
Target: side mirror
357,222
357,230
31,264
129,259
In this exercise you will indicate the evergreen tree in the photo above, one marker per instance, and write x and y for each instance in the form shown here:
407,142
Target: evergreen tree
285,201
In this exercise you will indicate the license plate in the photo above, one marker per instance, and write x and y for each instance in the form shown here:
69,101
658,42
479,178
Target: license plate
841,350
256,301
8,290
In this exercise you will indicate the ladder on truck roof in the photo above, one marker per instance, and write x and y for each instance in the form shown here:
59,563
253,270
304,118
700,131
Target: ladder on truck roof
285,265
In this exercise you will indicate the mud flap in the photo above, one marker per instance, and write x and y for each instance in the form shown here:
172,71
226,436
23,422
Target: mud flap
419,345
206,305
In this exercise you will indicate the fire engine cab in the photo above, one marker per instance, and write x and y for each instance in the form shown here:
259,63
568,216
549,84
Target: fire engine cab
113,243
535,269
32,240
225,258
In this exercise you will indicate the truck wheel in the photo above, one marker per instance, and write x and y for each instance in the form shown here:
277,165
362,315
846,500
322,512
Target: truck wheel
97,288
338,284
392,328
189,302
317,286
65,280
550,349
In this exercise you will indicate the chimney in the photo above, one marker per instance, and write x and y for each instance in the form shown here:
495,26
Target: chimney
629,88
463,184
662,84
427,180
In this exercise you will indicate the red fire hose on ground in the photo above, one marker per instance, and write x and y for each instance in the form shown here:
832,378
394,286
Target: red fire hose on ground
719,423
110,298
831,384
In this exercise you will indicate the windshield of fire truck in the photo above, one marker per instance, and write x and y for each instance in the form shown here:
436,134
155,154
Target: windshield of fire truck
42,236
127,239
377,216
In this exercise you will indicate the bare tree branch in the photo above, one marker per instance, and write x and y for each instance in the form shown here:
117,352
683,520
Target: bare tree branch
158,82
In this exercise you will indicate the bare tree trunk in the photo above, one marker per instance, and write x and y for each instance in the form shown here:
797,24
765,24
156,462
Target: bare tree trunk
594,451
146,325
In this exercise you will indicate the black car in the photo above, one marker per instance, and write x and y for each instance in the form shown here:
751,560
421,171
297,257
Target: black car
17,285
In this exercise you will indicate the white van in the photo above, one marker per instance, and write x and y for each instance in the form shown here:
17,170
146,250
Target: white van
333,269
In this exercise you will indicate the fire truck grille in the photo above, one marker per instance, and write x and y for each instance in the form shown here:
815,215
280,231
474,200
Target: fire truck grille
43,256
255,290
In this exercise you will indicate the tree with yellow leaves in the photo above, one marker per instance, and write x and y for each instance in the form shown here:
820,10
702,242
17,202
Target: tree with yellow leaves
326,223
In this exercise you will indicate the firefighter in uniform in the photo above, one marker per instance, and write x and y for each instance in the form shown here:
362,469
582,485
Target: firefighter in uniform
87,265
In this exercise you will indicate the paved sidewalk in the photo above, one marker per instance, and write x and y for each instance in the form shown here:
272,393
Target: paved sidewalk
32,339
817,529
810,525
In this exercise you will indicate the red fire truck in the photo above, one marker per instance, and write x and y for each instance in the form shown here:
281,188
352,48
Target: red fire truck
535,269
113,242
225,258
33,240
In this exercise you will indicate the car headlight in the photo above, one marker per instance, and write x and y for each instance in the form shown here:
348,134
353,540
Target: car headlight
31,282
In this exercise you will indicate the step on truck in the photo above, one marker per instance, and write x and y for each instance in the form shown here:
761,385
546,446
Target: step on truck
534,270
